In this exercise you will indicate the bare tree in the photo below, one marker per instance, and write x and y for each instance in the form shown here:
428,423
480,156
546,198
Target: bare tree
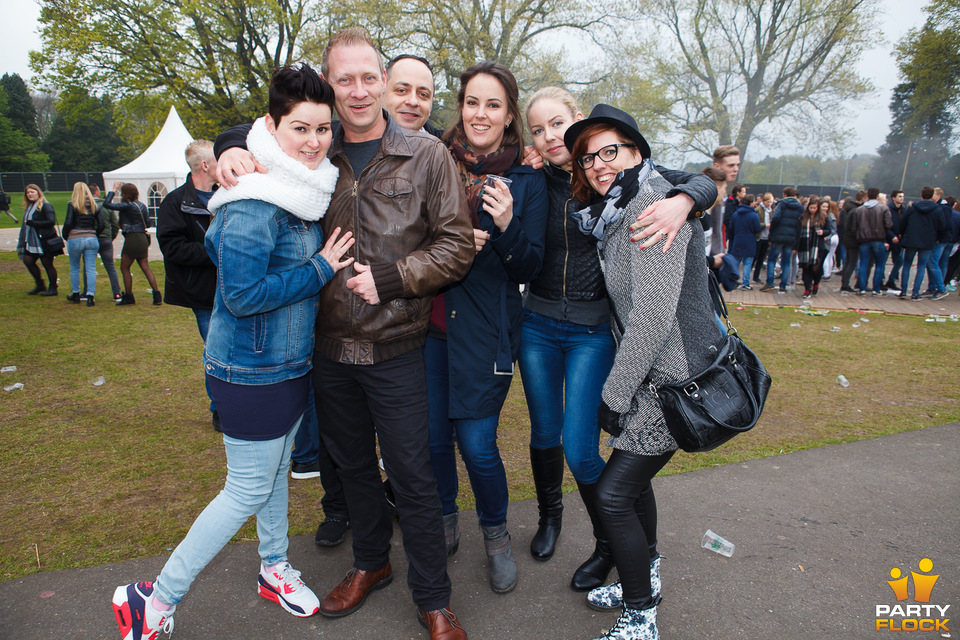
732,65
455,34
46,105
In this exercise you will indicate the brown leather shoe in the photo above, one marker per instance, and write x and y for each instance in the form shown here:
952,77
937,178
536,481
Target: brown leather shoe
441,624
348,596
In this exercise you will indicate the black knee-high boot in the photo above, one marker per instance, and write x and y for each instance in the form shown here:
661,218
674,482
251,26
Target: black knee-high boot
547,467
593,573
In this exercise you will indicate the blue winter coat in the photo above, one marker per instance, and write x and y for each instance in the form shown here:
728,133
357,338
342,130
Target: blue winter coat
484,311
785,223
742,232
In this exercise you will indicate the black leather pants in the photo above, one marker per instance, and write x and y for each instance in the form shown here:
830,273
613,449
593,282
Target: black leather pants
628,510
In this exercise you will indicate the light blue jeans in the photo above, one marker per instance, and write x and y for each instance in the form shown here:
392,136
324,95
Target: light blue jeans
86,248
256,485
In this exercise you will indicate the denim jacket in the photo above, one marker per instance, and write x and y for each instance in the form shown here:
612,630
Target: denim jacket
269,275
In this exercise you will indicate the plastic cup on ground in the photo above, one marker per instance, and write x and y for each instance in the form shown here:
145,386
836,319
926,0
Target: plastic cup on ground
842,381
717,543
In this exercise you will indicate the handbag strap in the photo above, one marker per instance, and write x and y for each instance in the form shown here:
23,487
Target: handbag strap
719,304
140,207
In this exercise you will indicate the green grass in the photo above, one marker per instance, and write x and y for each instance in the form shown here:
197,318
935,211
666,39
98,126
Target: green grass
103,474
58,199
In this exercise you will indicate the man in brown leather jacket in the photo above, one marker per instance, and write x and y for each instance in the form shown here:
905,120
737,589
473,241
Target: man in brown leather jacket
399,193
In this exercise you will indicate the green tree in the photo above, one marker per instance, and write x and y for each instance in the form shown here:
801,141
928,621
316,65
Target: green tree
213,59
734,65
83,136
18,151
923,107
20,107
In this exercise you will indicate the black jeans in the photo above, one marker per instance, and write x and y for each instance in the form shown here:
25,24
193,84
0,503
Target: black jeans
358,405
850,264
762,247
628,511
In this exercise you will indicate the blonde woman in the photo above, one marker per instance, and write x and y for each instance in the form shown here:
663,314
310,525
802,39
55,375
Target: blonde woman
39,225
80,228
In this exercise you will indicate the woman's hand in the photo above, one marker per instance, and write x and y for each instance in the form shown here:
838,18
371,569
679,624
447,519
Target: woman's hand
116,186
236,162
480,238
498,202
334,249
662,219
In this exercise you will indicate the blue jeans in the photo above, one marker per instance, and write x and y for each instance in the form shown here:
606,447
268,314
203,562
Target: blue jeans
87,248
934,272
875,250
306,447
203,325
922,259
256,485
477,440
563,367
947,247
746,263
785,254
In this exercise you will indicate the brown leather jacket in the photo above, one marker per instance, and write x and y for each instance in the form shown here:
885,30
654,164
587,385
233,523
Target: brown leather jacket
408,214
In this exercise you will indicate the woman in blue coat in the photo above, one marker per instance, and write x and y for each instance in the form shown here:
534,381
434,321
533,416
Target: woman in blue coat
475,328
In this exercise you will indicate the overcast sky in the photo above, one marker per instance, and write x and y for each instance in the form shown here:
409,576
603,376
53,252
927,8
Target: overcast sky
870,124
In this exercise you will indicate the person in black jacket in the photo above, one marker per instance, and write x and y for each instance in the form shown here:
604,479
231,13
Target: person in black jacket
136,240
919,227
896,254
784,235
5,205
80,228
182,222
39,225
567,348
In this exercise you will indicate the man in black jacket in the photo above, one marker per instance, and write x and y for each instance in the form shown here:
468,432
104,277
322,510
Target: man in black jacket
784,236
182,221
896,254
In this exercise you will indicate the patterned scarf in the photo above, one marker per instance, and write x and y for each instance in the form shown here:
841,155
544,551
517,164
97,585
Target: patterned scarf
605,211
32,238
474,170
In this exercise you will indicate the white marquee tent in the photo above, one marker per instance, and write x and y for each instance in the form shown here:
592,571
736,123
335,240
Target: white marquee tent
159,169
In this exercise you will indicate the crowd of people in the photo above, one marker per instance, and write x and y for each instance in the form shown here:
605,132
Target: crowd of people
365,288
90,226
819,238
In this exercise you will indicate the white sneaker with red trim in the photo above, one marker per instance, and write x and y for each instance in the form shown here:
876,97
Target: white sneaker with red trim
283,585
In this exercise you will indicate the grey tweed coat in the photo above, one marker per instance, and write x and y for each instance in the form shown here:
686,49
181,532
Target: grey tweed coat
664,320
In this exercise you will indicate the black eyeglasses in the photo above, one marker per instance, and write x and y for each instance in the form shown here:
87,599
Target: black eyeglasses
607,154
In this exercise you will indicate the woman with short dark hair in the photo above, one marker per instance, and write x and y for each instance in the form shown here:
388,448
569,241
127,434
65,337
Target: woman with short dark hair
266,241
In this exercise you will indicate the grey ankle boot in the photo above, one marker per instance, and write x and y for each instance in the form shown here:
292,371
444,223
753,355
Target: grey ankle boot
503,570
451,531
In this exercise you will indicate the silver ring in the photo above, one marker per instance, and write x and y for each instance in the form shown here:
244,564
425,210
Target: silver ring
662,232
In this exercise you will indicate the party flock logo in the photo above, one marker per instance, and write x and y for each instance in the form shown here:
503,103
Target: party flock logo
921,616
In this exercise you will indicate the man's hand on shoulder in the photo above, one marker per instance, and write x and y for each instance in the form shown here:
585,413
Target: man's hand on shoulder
236,162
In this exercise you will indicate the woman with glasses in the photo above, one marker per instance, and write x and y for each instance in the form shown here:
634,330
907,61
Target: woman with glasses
567,348
665,330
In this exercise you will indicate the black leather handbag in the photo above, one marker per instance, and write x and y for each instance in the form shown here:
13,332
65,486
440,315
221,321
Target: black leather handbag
727,398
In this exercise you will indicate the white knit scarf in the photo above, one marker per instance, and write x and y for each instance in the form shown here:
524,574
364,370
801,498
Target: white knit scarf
288,184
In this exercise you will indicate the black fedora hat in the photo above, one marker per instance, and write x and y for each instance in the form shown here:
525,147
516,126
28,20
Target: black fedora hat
620,120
